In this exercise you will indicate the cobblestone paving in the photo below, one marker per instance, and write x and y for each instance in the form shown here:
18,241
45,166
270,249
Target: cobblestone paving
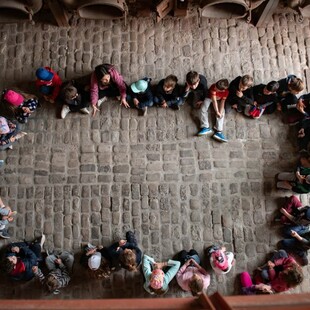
91,179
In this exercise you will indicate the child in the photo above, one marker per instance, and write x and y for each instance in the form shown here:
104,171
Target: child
302,110
221,261
141,94
168,93
156,280
73,100
9,133
281,272
106,82
237,98
289,87
293,212
49,83
196,89
20,257
22,105
298,243
298,181
191,277
6,216
265,100
218,93
125,253
93,258
59,267
303,134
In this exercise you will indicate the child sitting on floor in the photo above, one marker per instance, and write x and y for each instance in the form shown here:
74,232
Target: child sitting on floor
48,83
6,216
168,93
21,104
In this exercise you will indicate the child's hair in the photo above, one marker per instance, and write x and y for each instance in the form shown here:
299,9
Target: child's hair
247,80
192,77
102,70
272,86
51,282
69,92
196,286
294,276
170,80
296,84
159,291
7,265
222,84
128,260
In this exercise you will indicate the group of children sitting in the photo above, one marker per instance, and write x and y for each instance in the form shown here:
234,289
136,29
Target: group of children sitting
106,82
24,261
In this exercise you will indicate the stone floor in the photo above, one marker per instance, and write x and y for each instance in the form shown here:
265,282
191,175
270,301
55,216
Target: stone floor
91,179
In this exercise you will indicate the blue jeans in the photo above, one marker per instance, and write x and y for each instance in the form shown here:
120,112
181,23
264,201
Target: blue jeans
300,229
171,103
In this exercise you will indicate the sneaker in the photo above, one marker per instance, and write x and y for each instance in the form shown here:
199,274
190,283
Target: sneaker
101,101
304,259
219,137
175,107
4,234
10,147
204,131
64,111
84,111
43,238
144,111
1,162
118,98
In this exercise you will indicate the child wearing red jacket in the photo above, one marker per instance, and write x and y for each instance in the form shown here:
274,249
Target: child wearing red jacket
48,82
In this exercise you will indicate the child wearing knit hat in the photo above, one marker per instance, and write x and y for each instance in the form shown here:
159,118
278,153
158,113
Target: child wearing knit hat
21,104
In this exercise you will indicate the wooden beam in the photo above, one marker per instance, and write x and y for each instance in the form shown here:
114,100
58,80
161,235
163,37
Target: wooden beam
59,13
163,8
263,13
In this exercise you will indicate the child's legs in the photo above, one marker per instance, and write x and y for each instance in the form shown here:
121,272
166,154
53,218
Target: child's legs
245,279
108,92
175,102
131,238
5,210
36,249
220,122
67,259
287,176
265,274
204,114
278,255
182,257
50,262
194,255
147,103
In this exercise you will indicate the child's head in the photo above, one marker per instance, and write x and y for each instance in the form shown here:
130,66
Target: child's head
9,263
220,259
94,261
222,84
295,85
128,259
245,82
44,75
157,281
271,88
70,93
139,87
293,275
170,82
102,73
52,283
196,285
192,79
13,98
